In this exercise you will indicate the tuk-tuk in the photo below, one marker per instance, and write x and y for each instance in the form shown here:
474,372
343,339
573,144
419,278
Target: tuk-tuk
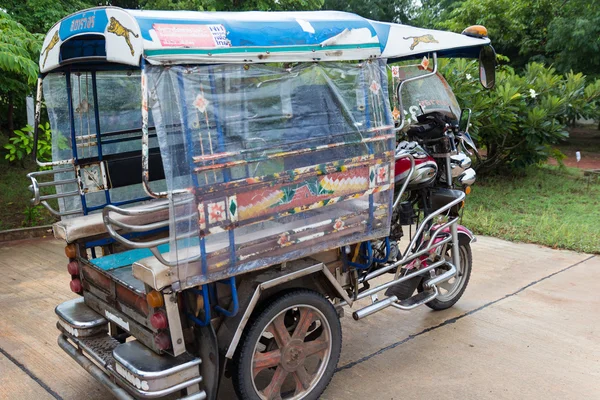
228,183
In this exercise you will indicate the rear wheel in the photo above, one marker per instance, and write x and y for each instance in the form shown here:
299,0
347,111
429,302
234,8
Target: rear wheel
290,349
452,290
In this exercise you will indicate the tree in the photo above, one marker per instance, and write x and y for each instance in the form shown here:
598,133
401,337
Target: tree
380,10
431,12
19,51
232,5
574,37
560,32
38,16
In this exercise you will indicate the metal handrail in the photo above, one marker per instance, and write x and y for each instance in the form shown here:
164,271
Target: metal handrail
110,224
414,78
391,300
411,256
41,199
410,172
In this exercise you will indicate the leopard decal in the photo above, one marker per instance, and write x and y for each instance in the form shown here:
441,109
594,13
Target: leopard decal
420,39
119,30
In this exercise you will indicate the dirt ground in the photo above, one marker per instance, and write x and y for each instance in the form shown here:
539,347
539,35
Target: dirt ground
586,140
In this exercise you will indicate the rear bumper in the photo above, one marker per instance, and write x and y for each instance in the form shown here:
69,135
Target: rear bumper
128,370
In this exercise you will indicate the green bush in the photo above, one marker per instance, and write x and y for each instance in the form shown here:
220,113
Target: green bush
518,121
21,145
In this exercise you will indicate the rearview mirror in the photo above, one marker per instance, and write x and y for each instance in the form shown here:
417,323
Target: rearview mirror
487,67
464,120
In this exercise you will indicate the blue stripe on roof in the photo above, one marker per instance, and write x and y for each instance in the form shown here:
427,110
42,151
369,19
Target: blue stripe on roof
265,33
383,32
90,21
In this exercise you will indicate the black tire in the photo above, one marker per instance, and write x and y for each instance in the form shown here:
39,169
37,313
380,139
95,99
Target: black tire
289,309
466,261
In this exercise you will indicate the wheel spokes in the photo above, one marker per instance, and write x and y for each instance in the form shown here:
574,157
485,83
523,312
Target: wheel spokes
273,391
302,378
446,286
265,360
315,346
279,363
279,331
307,317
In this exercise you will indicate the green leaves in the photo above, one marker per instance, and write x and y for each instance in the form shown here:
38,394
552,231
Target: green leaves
21,144
518,122
19,51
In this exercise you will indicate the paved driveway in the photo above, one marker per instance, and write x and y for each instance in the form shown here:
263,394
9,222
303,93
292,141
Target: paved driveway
528,327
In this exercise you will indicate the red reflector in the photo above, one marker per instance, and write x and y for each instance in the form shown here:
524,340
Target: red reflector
73,268
159,320
76,286
162,341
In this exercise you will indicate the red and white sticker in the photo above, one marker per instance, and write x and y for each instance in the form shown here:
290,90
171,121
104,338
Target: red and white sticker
396,71
188,35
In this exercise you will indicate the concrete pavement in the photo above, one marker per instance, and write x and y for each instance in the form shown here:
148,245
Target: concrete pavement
527,327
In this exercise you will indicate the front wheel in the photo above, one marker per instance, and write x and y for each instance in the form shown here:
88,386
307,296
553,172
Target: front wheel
452,290
290,350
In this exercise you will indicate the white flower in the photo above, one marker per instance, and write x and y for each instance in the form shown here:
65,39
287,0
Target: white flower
469,76
532,93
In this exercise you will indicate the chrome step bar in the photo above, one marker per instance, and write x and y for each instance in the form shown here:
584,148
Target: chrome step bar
129,370
412,302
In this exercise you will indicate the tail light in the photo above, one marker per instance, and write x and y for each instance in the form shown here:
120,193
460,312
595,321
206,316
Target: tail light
159,320
73,268
162,341
155,299
76,286
71,250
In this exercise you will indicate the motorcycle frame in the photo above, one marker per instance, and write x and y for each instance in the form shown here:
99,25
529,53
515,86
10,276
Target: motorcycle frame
432,244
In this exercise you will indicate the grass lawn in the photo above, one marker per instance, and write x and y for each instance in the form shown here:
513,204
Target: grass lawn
15,210
550,206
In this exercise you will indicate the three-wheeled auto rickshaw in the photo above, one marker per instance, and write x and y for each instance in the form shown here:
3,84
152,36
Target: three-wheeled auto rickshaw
229,183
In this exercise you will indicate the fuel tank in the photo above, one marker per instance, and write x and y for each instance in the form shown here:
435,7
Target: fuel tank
425,166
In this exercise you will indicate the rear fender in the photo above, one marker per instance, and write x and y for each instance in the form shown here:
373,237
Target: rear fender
463,234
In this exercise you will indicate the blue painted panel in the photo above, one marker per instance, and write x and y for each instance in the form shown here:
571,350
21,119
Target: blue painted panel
383,33
114,261
91,21
260,33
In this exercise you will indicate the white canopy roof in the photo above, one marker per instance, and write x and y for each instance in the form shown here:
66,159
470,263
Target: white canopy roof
174,37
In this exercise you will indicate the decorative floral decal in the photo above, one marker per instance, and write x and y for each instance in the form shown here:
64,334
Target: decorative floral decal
201,103
396,113
233,208
375,87
201,216
216,212
382,175
284,240
339,224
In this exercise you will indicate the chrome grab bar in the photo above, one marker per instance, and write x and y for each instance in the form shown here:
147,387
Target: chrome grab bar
429,284
38,198
388,301
112,224
410,172
430,245
414,78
